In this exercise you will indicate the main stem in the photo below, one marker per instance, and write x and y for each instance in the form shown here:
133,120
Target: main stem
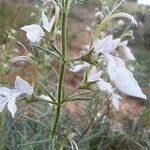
62,64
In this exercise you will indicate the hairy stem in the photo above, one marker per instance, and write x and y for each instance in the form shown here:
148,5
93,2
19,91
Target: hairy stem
62,65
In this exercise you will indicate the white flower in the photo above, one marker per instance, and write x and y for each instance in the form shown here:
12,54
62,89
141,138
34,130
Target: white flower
23,86
9,96
47,25
127,84
105,86
35,32
123,78
106,45
112,62
126,50
44,97
119,74
93,75
47,98
78,66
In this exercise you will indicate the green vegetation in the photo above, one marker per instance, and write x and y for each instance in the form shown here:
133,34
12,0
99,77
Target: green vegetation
30,129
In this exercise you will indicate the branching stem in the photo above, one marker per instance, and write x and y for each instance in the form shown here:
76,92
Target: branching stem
62,65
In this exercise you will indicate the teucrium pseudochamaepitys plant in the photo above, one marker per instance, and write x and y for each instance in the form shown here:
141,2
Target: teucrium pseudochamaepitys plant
104,71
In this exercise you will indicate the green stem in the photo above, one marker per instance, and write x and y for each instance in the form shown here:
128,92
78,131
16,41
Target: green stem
56,121
62,65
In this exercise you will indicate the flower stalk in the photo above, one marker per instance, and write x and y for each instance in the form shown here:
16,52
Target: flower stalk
62,64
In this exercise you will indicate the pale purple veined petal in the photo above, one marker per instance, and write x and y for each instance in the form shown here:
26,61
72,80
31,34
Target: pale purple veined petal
112,63
93,75
6,91
127,84
44,20
101,45
51,24
111,66
9,96
3,103
33,32
47,25
123,78
23,86
12,104
10,99
106,45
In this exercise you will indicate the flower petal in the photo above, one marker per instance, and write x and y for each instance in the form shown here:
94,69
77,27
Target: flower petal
33,32
127,84
104,86
106,45
12,105
44,20
46,24
6,91
23,86
78,66
44,97
123,78
112,63
93,75
3,103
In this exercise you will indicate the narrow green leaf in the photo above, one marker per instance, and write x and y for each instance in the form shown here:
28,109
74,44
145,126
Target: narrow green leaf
57,51
48,51
44,88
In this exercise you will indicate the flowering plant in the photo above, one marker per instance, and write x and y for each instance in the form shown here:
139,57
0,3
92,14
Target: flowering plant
104,71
